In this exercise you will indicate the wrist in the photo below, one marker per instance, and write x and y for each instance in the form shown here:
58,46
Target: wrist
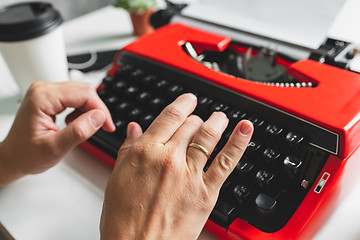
8,170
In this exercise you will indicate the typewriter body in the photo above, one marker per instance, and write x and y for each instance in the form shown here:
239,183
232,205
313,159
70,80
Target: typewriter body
306,116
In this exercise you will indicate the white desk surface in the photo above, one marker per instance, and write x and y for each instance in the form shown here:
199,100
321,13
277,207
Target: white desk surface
65,202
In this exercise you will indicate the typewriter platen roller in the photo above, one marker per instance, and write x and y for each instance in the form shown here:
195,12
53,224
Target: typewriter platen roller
305,113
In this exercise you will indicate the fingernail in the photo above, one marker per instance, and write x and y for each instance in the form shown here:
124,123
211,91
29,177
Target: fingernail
245,127
192,96
97,119
129,129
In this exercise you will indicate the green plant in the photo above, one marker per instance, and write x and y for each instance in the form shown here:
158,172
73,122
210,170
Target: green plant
136,6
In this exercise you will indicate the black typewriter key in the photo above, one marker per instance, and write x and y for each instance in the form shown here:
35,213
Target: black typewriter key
241,192
136,75
174,90
203,105
223,211
119,124
157,104
265,204
243,167
236,115
292,165
131,92
146,120
107,81
122,107
257,122
294,139
220,107
148,80
264,177
204,102
110,101
271,155
135,114
124,71
119,87
273,130
121,127
253,146
161,85
143,97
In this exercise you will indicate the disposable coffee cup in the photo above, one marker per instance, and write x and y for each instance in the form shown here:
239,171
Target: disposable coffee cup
32,43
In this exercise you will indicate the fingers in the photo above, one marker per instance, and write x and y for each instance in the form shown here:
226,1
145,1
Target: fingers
205,140
85,100
225,162
134,131
171,118
53,98
185,134
79,130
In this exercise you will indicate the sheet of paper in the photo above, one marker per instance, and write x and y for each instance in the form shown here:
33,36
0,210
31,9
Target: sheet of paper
301,22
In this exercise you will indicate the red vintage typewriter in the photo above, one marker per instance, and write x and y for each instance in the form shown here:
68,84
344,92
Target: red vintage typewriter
306,116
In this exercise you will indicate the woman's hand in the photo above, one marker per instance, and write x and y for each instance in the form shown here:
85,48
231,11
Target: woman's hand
158,189
35,143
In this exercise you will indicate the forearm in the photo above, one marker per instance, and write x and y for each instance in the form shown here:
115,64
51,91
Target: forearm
8,172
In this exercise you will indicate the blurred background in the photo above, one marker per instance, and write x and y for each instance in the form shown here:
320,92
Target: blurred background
68,8
73,8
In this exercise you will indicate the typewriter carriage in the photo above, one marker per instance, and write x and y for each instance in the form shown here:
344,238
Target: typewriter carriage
262,65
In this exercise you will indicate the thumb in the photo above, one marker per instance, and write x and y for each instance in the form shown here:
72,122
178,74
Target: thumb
134,132
80,129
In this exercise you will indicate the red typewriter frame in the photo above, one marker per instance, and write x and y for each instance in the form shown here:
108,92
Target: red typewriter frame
334,104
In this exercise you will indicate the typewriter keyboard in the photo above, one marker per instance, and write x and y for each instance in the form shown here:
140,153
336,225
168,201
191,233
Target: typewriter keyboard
278,168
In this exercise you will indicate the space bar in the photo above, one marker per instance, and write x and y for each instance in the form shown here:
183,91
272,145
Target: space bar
105,142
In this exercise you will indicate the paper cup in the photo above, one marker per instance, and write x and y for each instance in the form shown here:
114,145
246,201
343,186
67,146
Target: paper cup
32,43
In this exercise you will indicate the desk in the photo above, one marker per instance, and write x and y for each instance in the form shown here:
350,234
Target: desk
65,202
